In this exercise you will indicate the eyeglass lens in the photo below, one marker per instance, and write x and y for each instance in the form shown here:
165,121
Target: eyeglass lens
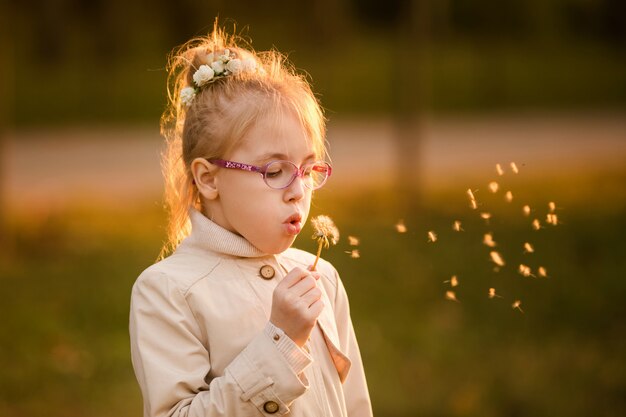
280,174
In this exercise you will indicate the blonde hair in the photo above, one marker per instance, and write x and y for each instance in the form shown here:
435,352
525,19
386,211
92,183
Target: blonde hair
220,114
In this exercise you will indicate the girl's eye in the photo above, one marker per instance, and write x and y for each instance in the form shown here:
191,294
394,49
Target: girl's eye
273,173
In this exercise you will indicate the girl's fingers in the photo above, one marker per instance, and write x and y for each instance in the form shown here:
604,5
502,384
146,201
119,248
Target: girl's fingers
316,307
304,285
311,296
293,277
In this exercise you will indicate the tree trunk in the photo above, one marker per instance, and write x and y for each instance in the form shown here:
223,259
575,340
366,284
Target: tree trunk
6,99
410,96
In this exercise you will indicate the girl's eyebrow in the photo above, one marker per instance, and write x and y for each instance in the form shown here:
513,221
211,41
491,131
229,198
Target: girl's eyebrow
280,156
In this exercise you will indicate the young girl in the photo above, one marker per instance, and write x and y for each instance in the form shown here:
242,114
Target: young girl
234,322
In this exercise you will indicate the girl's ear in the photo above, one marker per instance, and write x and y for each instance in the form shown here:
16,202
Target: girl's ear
204,174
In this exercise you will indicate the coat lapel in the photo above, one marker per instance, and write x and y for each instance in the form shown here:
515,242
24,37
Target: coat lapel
328,326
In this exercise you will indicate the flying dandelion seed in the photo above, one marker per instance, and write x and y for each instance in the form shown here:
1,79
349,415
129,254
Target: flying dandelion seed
432,237
492,293
542,272
473,204
454,281
456,226
536,224
450,295
516,305
325,233
552,219
526,210
508,196
485,217
470,194
499,170
514,168
353,241
354,253
525,270
400,227
528,248
496,258
552,206
488,240
494,187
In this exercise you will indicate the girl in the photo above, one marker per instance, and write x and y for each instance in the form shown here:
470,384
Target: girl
234,322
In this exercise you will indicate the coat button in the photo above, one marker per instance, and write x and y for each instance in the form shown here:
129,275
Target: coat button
270,407
267,272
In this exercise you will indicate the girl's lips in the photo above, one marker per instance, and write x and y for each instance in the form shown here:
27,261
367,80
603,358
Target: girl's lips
293,228
293,224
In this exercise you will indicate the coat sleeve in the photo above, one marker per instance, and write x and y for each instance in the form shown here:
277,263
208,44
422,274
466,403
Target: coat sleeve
355,386
172,364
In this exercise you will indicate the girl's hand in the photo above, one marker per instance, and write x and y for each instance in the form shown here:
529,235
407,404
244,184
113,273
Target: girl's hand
296,304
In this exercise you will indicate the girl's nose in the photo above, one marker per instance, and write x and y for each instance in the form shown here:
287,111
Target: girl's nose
296,190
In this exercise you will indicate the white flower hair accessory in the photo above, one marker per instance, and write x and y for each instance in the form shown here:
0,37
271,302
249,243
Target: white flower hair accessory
226,64
187,95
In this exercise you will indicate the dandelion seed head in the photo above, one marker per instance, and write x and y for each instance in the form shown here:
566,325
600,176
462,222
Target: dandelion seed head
496,258
454,281
432,237
526,210
325,230
456,226
516,305
485,216
354,253
542,272
400,227
473,204
514,168
325,233
353,241
494,187
508,196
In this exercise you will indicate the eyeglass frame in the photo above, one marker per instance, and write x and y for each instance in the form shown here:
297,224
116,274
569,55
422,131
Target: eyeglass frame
263,170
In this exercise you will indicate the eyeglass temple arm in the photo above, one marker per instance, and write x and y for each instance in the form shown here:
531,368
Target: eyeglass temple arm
235,165
324,168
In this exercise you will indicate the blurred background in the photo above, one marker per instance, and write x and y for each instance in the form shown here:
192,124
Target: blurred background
423,98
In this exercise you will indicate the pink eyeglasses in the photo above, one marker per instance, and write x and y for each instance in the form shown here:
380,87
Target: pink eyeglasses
280,174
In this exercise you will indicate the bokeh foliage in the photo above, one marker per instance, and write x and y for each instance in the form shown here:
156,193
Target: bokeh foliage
103,61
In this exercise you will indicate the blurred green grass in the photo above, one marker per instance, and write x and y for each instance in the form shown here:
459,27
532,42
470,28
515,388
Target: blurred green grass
67,278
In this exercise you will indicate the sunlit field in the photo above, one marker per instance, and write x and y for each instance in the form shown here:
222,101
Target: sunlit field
66,279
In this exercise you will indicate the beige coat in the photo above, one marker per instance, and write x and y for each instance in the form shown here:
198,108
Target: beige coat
202,344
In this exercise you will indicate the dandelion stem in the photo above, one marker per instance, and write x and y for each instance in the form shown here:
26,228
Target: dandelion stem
319,253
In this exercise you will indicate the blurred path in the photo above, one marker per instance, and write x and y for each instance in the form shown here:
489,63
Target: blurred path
120,165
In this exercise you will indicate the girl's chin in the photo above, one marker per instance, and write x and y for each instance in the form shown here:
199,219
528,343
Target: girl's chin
278,247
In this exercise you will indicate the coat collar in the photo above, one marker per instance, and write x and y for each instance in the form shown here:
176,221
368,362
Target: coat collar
209,236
